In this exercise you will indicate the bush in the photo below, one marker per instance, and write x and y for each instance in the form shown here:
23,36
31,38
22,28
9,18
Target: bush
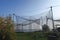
45,28
6,29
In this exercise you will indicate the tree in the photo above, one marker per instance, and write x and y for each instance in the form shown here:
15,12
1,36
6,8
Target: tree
6,29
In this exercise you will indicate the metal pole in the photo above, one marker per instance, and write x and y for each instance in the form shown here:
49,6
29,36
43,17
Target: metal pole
52,18
13,18
30,25
17,22
39,24
22,27
42,20
9,17
46,20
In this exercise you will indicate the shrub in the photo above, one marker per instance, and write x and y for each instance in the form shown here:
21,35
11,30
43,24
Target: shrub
6,29
45,28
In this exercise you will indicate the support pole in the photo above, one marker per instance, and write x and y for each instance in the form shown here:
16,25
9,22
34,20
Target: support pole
13,18
22,27
30,25
52,18
42,19
17,22
46,20
40,22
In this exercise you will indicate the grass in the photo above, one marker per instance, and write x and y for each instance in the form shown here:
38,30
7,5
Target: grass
30,36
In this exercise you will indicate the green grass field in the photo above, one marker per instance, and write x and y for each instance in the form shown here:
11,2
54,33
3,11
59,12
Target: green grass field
30,36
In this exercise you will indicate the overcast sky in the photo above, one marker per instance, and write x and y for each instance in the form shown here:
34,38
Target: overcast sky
28,7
